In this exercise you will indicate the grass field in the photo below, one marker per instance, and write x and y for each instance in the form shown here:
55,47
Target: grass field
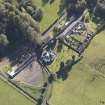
9,96
85,85
49,13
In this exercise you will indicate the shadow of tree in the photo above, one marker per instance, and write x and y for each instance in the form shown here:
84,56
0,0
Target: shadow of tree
59,46
52,44
51,1
39,101
66,68
44,2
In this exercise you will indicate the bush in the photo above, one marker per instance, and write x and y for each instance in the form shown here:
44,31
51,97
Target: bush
38,15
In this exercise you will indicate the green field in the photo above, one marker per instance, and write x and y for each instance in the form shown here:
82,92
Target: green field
85,85
49,13
9,96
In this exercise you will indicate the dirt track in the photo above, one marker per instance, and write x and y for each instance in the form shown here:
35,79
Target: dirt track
31,74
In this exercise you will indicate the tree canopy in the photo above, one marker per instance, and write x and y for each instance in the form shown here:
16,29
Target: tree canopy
17,24
78,6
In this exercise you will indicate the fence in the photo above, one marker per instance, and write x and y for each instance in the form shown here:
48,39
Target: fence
55,21
23,92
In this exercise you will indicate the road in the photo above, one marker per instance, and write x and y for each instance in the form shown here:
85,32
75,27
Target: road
68,30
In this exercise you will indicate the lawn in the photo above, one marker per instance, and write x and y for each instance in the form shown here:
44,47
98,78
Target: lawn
85,85
9,96
49,13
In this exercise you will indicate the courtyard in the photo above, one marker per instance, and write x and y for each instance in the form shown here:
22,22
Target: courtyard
85,85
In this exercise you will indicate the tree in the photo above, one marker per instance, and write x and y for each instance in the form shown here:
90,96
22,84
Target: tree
99,10
47,1
3,43
72,6
3,40
32,9
20,21
38,15
91,3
